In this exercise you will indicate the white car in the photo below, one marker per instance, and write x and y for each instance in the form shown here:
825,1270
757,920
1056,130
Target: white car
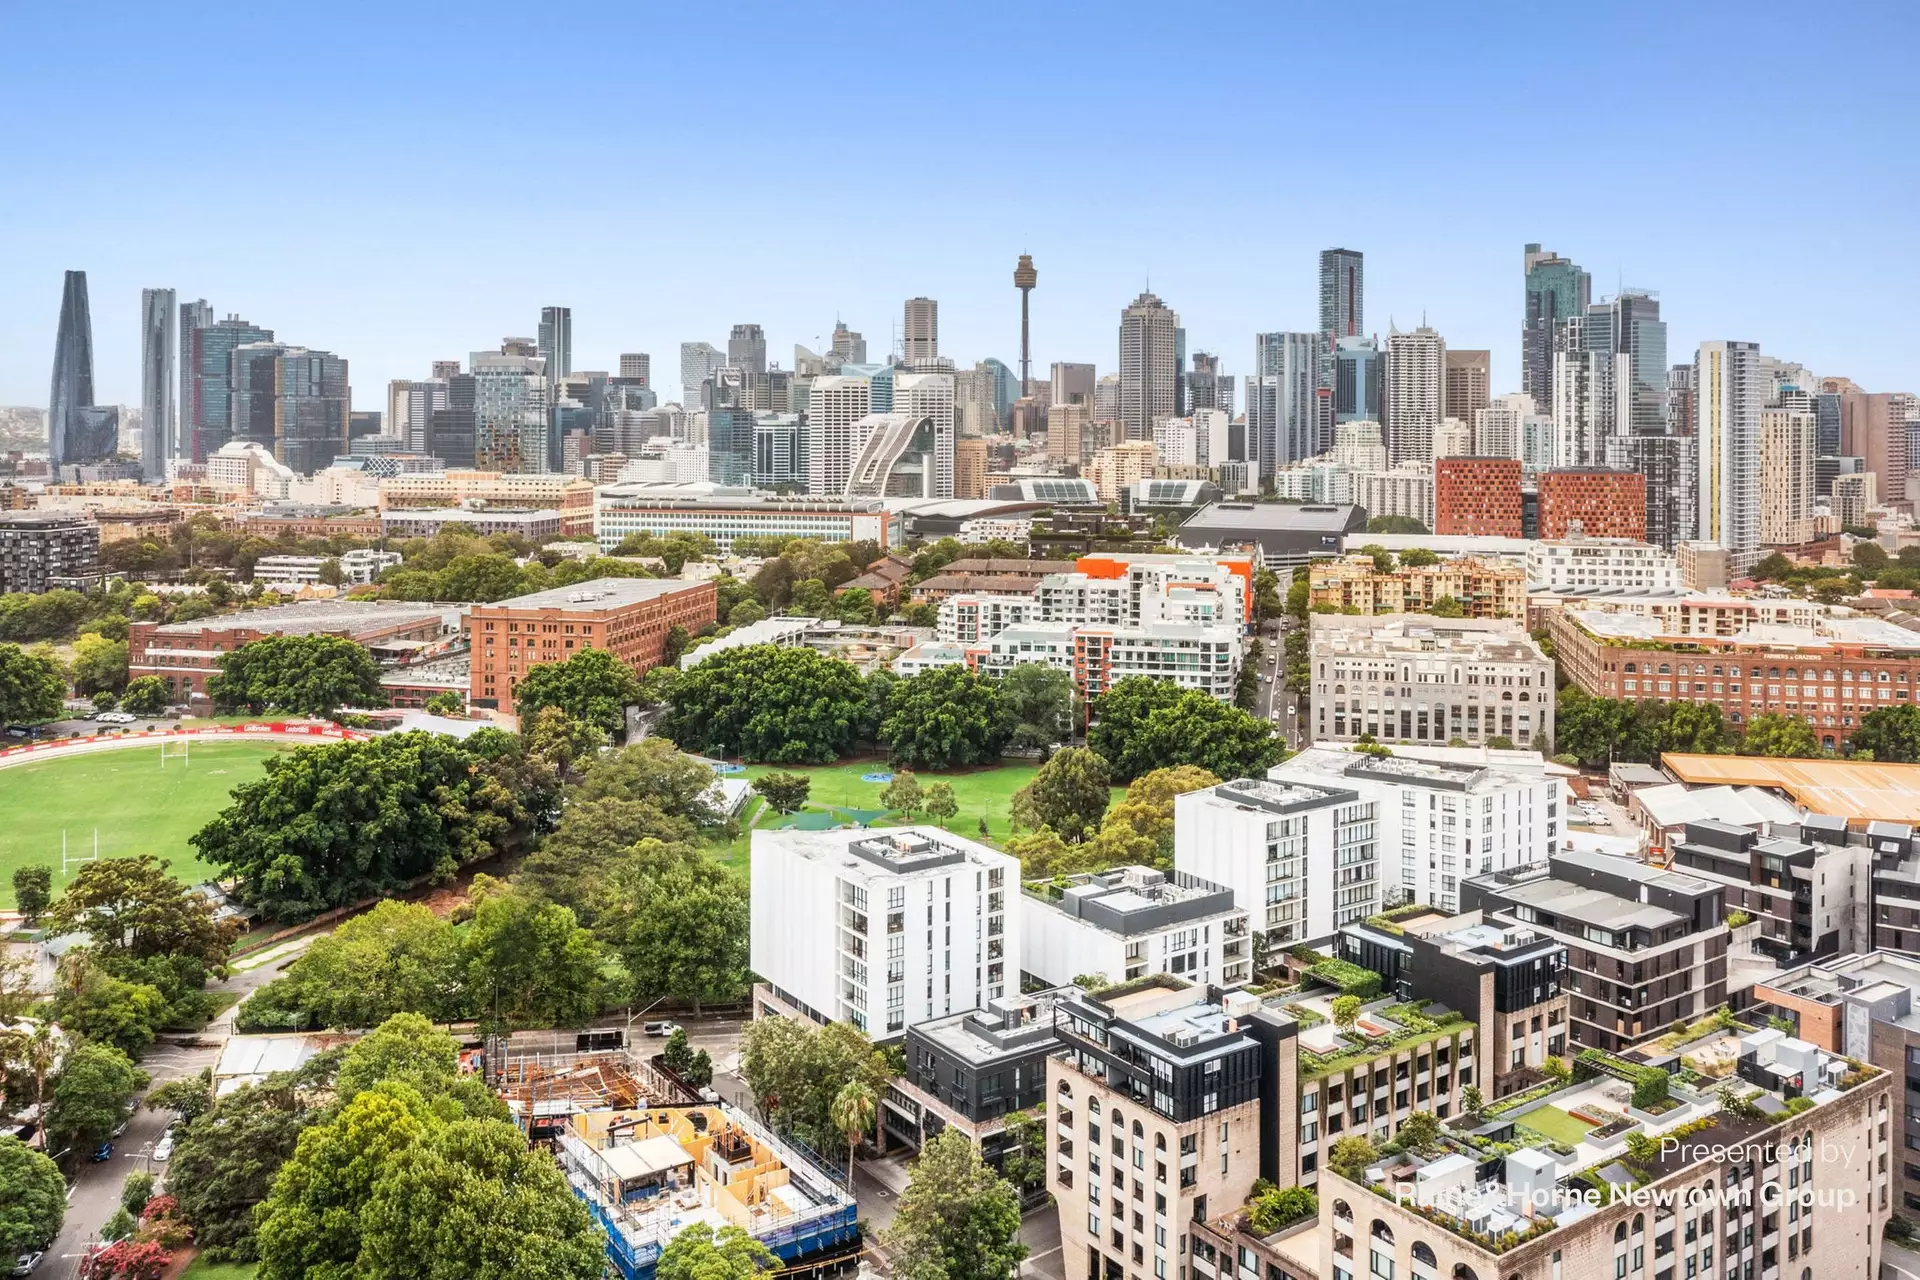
163,1150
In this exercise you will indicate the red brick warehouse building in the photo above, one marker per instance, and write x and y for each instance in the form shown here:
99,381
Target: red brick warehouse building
1477,497
628,617
1604,504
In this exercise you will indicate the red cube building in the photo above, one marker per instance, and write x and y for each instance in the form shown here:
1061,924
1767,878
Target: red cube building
1601,503
1476,497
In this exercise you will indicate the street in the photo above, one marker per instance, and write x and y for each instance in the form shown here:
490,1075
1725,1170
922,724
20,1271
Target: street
95,1190
1274,702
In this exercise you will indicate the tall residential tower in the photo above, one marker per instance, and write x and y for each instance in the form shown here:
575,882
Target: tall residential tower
1148,365
72,377
159,346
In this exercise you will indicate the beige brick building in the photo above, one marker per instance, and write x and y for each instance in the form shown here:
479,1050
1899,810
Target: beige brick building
1484,588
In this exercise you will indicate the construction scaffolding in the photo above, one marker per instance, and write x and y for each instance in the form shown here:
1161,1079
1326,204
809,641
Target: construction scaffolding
543,1089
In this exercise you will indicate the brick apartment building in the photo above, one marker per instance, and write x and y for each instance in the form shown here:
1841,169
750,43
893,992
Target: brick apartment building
1605,504
184,654
628,617
1477,497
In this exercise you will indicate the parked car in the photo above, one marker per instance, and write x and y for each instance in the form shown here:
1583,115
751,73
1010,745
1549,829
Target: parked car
660,1028
28,1263
163,1150
103,1152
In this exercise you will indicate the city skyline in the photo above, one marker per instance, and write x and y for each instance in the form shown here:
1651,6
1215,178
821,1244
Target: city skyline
418,275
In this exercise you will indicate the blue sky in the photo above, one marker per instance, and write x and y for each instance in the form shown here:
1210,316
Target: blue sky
405,182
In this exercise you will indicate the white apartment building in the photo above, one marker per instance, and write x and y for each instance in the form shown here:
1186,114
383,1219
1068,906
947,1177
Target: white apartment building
1302,860
834,405
288,571
974,619
1729,389
1096,656
1317,481
1581,565
1416,394
1131,922
881,928
251,468
1403,490
1176,442
1359,444
1499,430
1426,680
928,395
1151,588
1438,822
359,568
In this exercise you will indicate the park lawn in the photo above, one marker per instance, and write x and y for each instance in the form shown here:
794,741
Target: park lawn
136,805
1554,1123
201,1269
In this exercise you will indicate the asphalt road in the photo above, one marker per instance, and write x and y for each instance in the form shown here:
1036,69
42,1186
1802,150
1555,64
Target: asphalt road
95,1191
1274,700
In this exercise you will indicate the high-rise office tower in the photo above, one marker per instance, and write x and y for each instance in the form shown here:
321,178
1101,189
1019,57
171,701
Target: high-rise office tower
194,316
1359,380
637,364
159,346
311,415
1006,389
452,429
1672,476
212,371
1728,395
511,399
1469,382
67,435
1873,427
834,406
446,368
1179,372
556,340
920,335
1826,423
1416,393
1680,401
747,348
1148,365
1207,386
848,346
1630,325
698,360
411,405
1342,316
732,433
1282,410
1072,383
931,395
1555,289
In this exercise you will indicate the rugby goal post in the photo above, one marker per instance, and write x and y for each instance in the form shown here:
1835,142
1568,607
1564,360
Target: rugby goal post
181,750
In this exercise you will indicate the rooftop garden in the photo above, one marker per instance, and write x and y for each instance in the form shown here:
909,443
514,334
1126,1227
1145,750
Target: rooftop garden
1413,1027
1389,921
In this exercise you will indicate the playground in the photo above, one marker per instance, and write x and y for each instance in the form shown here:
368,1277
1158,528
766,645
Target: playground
129,799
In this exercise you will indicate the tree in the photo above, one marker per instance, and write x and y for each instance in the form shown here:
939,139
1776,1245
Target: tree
746,613
397,958
1447,607
1267,604
1773,734
119,1226
329,826
958,1220
1892,734
903,794
1418,558
127,1260
146,696
940,803
678,1053
1870,556
134,907
527,963
99,665
1419,1132
32,891
1694,727
592,686
853,1110
189,1097
1351,1155
1069,793
1037,701
782,704
1472,1101
224,1162
307,675
1772,568
1346,1012
1145,816
796,1070
786,792
1395,524
1276,1207
445,703
1143,724
682,934
92,1096
699,1253
31,687
33,1198
90,1002
941,718
137,1191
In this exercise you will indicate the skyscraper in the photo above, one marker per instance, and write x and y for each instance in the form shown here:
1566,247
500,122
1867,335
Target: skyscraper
511,398
698,360
848,346
637,364
1282,409
834,406
1359,380
556,340
920,336
747,348
1072,383
1469,383
1728,393
1555,290
67,435
1416,393
159,345
194,316
1786,476
1006,389
1342,317
1630,325
213,348
1207,386
1148,366
931,395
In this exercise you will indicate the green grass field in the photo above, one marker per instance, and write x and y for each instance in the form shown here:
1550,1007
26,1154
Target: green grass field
982,793
1554,1123
201,1269
138,806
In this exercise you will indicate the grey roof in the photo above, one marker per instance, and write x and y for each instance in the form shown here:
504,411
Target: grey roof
310,617
1589,906
1634,869
1273,517
600,593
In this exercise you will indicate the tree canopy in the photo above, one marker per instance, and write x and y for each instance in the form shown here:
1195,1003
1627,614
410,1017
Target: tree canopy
777,703
309,675
328,826
134,907
527,962
92,1095
31,687
942,718
1773,734
592,687
958,1220
1068,793
699,1253
1036,700
1892,734
1142,724
33,1198
795,1071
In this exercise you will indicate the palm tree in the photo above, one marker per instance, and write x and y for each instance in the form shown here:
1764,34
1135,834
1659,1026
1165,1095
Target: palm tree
853,1110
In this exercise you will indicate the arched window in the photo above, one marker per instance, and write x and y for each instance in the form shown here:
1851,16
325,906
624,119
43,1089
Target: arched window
1526,697
1461,1271
1639,1223
1773,673
1065,1090
1382,1232
1620,1234
1138,1132
1423,1256
1664,669
1159,1142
